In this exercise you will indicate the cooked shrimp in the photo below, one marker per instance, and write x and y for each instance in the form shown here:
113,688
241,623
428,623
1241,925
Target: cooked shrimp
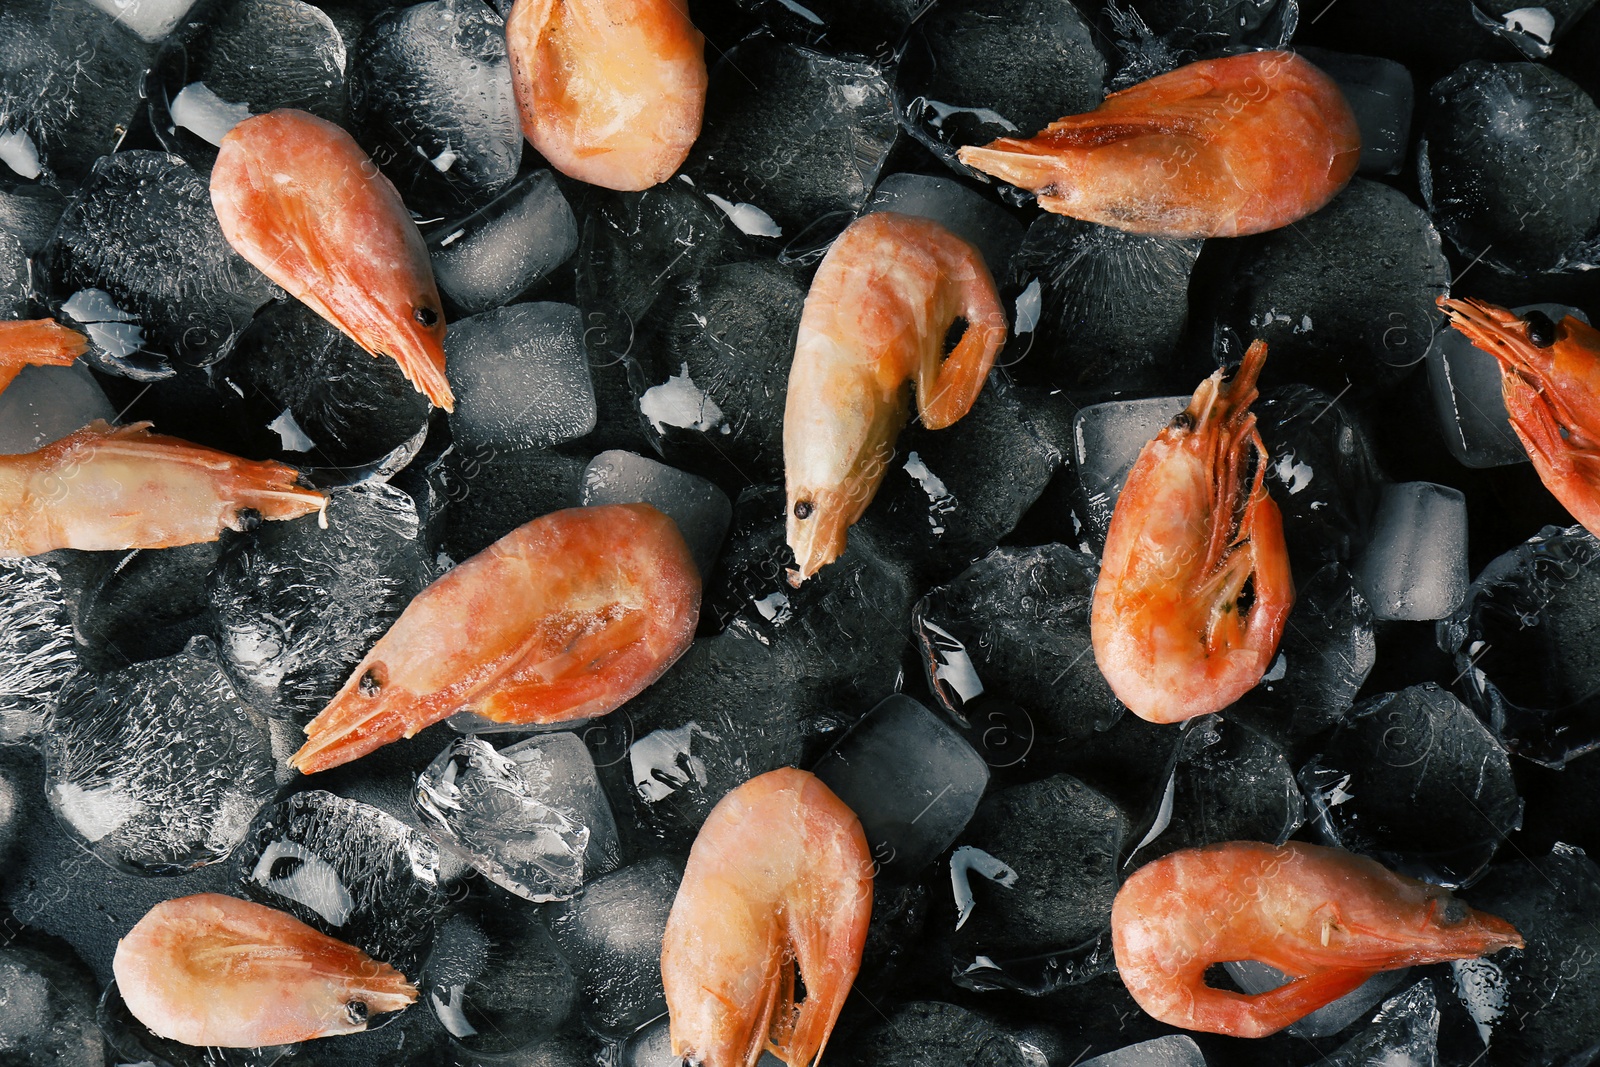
1550,377
564,618
1329,919
215,970
611,91
39,342
875,320
1194,584
779,876
1218,148
298,198
105,488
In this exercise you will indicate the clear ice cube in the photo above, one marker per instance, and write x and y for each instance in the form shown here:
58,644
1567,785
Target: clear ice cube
978,221
498,252
150,19
531,817
701,510
1404,1033
1174,1050
146,606
1415,567
912,780
1107,440
37,651
51,1001
158,767
521,378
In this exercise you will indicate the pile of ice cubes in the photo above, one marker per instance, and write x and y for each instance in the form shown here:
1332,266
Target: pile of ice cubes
1434,704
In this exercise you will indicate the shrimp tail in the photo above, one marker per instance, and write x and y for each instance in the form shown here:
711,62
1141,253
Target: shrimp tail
37,342
1221,1011
948,392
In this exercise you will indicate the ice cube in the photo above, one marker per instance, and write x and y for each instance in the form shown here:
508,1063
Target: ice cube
1523,646
497,980
146,606
485,494
1174,1050
521,378
797,133
1107,309
911,779
928,1033
158,767
13,277
50,999
349,869
701,510
976,220
1107,440
29,213
1380,93
499,251
1404,1033
1254,977
1416,565
37,651
612,937
870,26
150,19
1050,926
431,101
531,817
297,605
44,404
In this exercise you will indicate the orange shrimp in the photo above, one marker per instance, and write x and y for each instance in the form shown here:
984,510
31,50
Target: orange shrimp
874,320
107,489
1550,377
567,617
1194,584
1218,148
215,970
779,876
1329,919
611,91
37,342
299,199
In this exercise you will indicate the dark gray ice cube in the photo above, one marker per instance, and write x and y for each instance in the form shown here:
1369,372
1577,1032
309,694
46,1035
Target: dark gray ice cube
496,979
147,606
44,404
1254,976
37,651
484,494
158,767
1107,440
51,1004
1381,94
499,251
928,1033
970,216
1415,567
521,378
911,779
701,510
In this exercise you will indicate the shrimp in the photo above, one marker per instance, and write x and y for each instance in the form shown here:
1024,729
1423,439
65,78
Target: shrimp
108,489
299,199
1194,586
1550,377
565,618
779,875
37,342
215,970
1218,148
874,320
1329,919
611,91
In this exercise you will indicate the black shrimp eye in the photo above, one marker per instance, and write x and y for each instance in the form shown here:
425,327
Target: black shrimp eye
802,509
1183,421
250,520
356,1011
1453,912
371,681
1541,330
426,315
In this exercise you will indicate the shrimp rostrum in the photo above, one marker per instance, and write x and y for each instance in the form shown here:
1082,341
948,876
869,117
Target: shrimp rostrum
1328,919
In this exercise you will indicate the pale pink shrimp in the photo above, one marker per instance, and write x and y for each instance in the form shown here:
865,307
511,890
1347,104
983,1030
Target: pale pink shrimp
1194,586
611,91
105,488
1328,919
1218,148
215,970
36,342
779,876
567,617
874,321
299,199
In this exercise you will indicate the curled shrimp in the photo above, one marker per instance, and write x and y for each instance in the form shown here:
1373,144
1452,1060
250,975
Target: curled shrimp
299,199
1194,586
1550,377
779,877
611,91
215,970
37,342
567,617
1327,918
1218,148
103,488
875,320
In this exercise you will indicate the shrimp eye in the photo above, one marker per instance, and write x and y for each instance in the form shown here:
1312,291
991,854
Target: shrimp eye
803,509
1541,330
1183,421
371,681
426,315
1453,913
356,1012
250,520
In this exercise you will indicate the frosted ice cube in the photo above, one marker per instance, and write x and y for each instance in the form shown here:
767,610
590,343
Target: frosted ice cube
37,651
1174,1050
1107,439
701,510
1415,567
44,404
493,255
531,817
981,223
1404,1033
911,779
1254,976
521,378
